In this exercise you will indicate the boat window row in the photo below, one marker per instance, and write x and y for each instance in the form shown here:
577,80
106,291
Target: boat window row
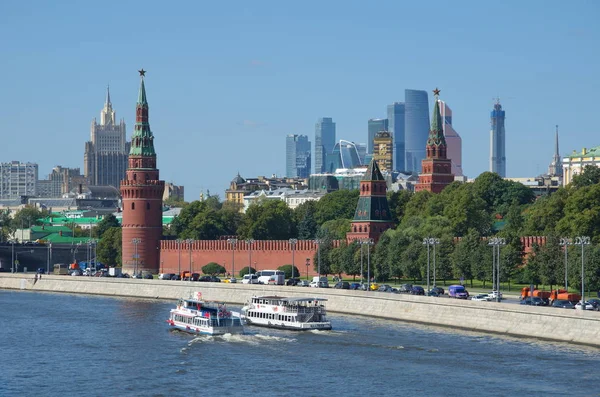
272,316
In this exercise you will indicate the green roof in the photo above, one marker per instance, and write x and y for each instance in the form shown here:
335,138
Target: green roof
592,152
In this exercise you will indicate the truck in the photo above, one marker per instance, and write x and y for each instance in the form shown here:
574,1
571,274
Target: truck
562,294
536,293
458,292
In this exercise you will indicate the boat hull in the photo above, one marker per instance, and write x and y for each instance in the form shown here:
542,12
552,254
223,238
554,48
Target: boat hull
325,326
214,331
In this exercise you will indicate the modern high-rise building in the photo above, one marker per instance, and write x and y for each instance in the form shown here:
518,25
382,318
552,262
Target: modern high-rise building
436,168
324,142
416,128
18,179
498,141
397,128
362,152
453,140
373,127
297,156
105,157
384,151
344,155
555,167
142,193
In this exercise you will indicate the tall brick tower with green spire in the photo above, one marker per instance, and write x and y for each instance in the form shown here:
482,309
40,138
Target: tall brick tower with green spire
142,193
372,216
436,169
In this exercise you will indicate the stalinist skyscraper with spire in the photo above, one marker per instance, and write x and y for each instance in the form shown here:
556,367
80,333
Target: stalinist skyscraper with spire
105,157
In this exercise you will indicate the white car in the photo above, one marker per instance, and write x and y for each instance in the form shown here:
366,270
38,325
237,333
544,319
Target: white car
494,295
481,297
588,306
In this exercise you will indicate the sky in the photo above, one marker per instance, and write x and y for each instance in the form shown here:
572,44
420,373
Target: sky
227,81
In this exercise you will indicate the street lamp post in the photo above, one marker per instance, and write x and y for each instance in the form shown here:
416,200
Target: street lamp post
249,242
293,242
307,265
179,241
496,243
135,243
12,267
583,241
233,242
49,258
369,243
429,241
189,242
319,242
565,242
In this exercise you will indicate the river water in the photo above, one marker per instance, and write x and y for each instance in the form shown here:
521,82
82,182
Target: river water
76,345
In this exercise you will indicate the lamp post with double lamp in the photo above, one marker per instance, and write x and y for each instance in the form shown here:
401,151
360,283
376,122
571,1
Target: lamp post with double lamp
434,241
428,241
135,242
179,241
12,266
49,258
496,243
361,242
583,241
250,242
565,242
369,243
232,242
189,242
293,242
307,265
319,242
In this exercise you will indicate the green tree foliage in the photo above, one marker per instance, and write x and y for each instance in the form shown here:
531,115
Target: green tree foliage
397,203
417,205
27,216
109,249
269,220
336,229
551,265
106,223
174,202
304,216
340,204
466,210
287,269
499,194
581,212
461,257
213,268
542,216
205,220
588,177
245,270
5,225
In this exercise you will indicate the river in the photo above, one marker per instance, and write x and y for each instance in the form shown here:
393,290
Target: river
72,345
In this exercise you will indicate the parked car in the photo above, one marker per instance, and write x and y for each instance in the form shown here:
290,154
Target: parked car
342,285
565,304
165,276
303,283
204,278
355,286
383,288
494,295
432,292
148,276
595,302
214,279
292,281
405,288
439,290
586,306
417,290
176,277
532,301
230,280
250,279
481,297
318,284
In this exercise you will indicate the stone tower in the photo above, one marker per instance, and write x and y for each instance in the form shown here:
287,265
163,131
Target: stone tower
436,168
142,193
372,216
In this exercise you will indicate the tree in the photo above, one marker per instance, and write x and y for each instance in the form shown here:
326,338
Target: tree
269,220
304,216
581,213
588,177
397,203
461,256
287,269
245,270
336,228
213,269
106,223
109,250
27,216
340,204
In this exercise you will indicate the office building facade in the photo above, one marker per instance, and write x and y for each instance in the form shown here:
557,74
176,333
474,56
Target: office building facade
453,140
373,127
297,156
18,179
324,141
397,127
498,141
106,154
384,151
416,128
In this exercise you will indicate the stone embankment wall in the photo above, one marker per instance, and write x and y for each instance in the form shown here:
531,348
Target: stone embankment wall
574,326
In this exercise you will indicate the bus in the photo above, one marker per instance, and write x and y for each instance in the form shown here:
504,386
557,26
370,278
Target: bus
276,277
61,268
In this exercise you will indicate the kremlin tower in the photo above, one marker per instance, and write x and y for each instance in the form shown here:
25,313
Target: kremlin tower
436,168
142,193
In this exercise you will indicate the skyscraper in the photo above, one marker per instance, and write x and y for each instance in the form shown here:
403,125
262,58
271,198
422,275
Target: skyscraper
373,127
324,142
105,157
416,128
436,168
142,193
297,156
384,151
18,179
555,167
344,155
453,140
498,141
396,126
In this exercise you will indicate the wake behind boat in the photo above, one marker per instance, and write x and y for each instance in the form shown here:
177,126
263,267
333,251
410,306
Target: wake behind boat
286,313
196,316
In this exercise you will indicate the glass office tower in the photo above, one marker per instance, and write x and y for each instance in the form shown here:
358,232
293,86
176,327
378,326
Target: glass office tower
324,141
297,156
374,126
416,128
498,141
396,126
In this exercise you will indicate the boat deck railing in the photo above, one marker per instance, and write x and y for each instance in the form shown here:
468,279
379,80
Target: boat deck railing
305,310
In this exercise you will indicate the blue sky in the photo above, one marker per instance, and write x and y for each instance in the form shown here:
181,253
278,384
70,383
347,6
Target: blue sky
227,81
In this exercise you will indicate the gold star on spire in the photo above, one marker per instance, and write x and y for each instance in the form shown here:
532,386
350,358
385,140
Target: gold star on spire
142,72
436,92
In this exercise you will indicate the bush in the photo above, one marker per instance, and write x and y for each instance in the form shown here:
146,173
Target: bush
213,269
287,269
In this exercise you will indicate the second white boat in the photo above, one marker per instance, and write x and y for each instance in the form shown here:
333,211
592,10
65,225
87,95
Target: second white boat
286,313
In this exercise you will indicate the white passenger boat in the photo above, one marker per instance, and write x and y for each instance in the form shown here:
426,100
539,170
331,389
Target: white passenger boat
196,316
286,313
